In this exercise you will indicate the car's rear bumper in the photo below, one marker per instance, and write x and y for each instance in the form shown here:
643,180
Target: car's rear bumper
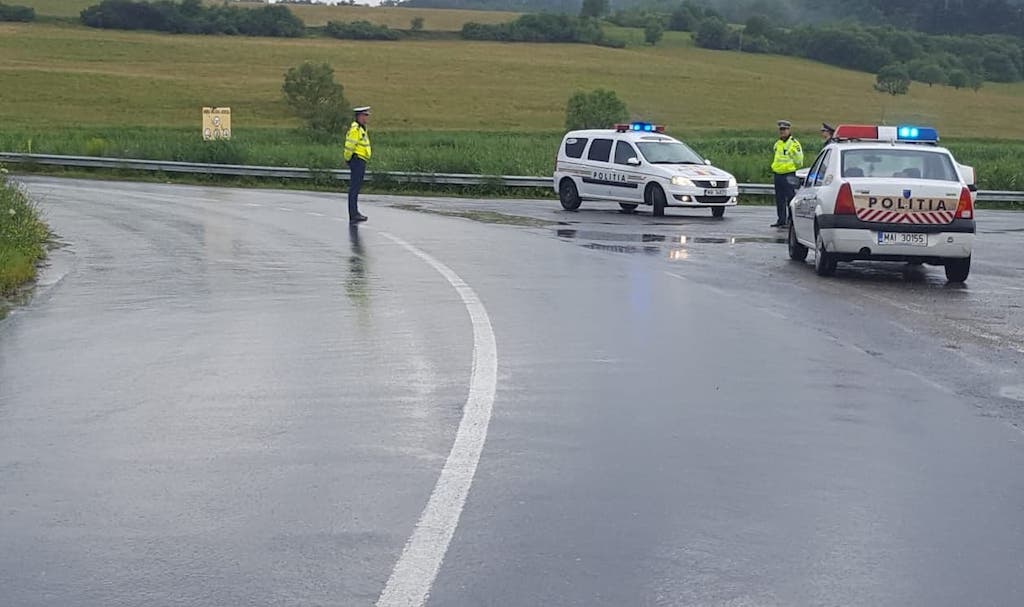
853,244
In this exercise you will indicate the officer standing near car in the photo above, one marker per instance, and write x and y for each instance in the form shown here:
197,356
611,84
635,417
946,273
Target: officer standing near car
357,153
789,157
827,132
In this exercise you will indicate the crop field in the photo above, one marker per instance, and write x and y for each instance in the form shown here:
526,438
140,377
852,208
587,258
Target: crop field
61,83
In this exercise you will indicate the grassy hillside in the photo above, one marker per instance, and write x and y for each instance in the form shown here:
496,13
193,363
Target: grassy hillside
446,20
55,76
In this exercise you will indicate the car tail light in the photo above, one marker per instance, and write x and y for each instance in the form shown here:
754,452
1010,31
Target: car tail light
965,208
844,201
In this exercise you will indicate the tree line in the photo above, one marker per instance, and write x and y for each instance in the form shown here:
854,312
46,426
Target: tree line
193,17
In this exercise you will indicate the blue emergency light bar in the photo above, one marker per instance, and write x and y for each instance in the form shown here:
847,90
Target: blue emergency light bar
643,127
915,133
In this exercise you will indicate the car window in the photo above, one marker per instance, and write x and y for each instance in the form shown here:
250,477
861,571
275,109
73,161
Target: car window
812,173
900,163
668,152
600,150
574,146
819,175
623,152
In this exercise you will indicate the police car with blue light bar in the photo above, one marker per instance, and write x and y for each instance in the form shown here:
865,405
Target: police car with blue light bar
887,193
637,164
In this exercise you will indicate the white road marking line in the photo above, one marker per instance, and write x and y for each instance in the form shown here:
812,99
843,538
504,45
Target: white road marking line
313,214
285,209
708,287
253,204
417,567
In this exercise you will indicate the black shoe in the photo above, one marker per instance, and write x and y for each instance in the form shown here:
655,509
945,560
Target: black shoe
777,225
358,219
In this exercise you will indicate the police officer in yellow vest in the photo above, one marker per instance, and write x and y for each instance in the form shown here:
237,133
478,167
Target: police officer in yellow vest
357,152
789,157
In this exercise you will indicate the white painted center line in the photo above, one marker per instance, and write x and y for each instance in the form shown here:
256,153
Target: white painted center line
285,209
417,567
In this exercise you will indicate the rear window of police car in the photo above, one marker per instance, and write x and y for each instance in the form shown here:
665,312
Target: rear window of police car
574,146
906,164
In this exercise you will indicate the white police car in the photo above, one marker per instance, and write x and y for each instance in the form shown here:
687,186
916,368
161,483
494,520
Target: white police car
885,193
636,164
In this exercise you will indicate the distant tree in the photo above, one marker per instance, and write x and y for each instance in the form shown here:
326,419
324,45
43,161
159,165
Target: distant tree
683,19
10,12
311,92
653,31
599,108
593,8
758,25
714,33
959,79
975,81
931,74
999,67
893,79
416,24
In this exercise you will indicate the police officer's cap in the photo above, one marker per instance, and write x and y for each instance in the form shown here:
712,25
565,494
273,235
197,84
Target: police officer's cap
365,109
827,128
784,124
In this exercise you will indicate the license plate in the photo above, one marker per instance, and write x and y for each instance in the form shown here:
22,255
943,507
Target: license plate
719,192
902,238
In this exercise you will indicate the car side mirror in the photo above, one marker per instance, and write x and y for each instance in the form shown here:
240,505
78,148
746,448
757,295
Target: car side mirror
973,187
802,176
634,161
707,161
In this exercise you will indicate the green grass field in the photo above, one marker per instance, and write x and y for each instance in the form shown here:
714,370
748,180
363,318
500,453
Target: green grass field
22,238
453,105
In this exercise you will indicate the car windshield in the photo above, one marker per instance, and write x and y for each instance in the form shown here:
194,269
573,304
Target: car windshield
668,152
908,164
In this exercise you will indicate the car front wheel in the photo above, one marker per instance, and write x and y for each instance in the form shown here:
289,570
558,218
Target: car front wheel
797,251
657,196
958,269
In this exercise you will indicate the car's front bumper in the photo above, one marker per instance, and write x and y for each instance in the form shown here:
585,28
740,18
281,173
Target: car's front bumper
695,197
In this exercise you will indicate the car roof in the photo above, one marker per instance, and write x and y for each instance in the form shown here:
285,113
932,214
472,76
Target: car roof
633,136
886,145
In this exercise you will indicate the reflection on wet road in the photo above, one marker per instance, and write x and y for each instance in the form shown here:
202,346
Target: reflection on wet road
222,397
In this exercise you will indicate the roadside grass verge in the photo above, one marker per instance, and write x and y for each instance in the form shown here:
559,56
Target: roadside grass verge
23,237
746,154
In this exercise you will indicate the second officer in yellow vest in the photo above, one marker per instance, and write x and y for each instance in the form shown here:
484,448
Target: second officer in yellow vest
357,153
789,157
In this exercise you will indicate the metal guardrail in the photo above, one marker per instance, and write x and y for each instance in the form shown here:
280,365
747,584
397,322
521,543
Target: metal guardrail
168,166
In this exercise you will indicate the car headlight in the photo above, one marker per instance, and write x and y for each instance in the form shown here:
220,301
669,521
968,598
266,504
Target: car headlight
732,182
683,181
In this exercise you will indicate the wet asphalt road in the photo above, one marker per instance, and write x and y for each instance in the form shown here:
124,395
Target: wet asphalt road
226,397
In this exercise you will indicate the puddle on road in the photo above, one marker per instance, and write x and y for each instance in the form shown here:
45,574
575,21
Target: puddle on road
481,216
623,237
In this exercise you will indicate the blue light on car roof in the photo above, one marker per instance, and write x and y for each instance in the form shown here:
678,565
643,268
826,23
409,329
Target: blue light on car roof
642,126
914,133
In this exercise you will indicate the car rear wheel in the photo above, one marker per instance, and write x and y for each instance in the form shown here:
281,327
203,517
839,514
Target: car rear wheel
718,211
657,199
797,251
824,262
568,195
626,207
958,269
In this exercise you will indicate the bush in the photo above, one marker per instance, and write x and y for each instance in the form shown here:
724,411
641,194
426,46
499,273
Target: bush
929,74
538,28
959,79
311,92
22,14
714,33
360,30
653,32
599,108
192,17
23,236
893,79
416,24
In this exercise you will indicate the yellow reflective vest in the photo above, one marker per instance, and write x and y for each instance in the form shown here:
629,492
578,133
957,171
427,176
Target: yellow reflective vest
357,142
789,156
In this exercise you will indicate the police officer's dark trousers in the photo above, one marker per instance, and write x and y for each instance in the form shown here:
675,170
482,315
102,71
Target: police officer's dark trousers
357,166
784,192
